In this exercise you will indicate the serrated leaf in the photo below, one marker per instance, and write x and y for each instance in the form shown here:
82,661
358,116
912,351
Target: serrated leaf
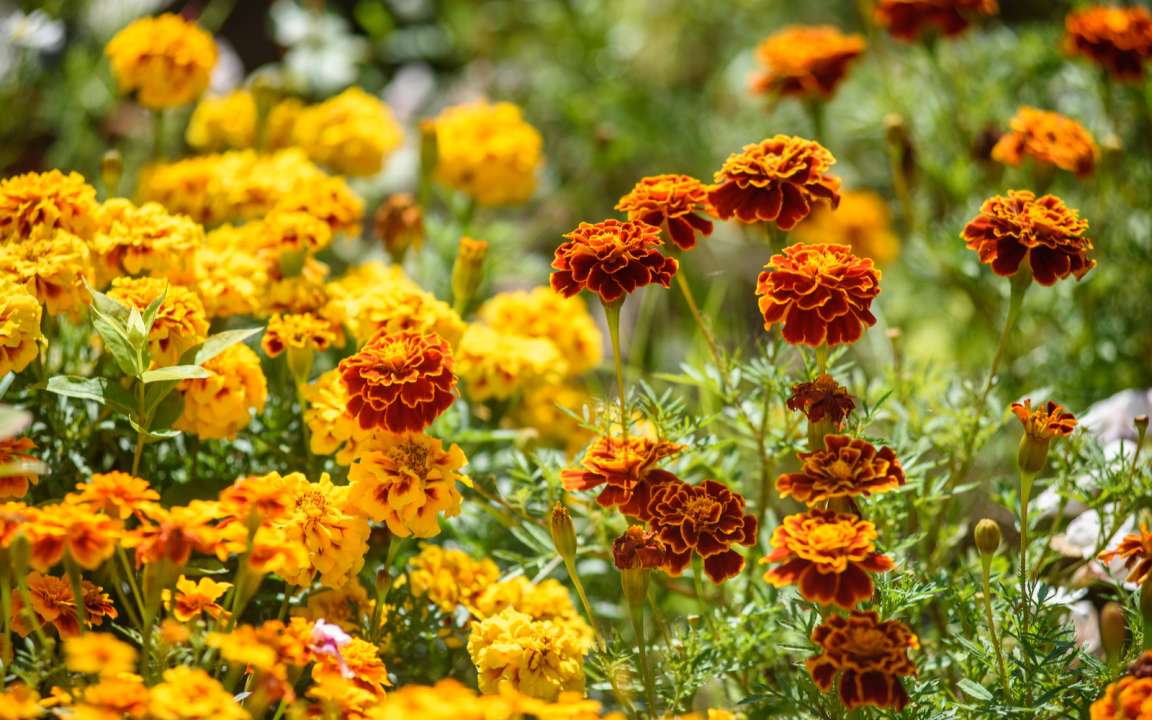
175,372
218,343
99,390
974,689
117,343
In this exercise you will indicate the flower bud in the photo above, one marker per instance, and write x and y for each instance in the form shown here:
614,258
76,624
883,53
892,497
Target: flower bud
467,272
399,225
383,583
563,532
111,170
1033,454
987,535
1141,423
1113,630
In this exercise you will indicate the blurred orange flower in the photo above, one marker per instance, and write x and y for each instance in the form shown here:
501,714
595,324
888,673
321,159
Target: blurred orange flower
1119,39
193,598
673,203
707,519
775,180
114,493
1049,138
868,654
611,258
846,467
400,382
622,465
14,450
910,19
808,61
172,534
861,221
1136,551
87,537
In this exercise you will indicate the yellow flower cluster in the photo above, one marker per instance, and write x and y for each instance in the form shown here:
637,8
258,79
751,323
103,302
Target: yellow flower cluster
487,152
223,123
544,314
166,60
145,239
219,406
49,201
546,600
539,658
180,323
450,700
51,265
450,578
495,365
352,133
374,297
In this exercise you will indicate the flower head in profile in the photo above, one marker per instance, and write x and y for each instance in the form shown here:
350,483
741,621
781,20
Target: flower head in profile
1048,138
46,201
1022,227
16,450
677,204
806,61
54,604
173,534
637,549
1044,422
193,598
820,294
88,537
487,151
539,658
180,323
1135,549
620,464
870,657
828,556
52,265
845,467
1128,698
822,399
115,493
166,60
611,259
776,180
1119,39
352,133
221,405
450,578
399,382
707,519
861,221
398,224
223,122
913,19
20,334
299,331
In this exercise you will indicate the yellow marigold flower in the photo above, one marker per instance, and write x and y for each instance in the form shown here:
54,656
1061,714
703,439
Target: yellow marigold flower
303,293
495,365
406,481
18,702
193,598
449,577
539,658
114,697
230,279
352,133
276,549
99,654
294,231
374,297
20,335
544,410
16,450
89,538
340,697
330,426
325,522
219,123
542,313
547,600
166,60
192,694
328,199
806,61
349,606
52,265
357,660
180,324
218,407
49,201
145,239
115,493
300,331
280,125
1048,138
487,152
862,222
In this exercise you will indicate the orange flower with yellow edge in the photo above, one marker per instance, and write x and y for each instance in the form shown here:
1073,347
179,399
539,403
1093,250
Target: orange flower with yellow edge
806,61
868,655
1119,39
611,259
165,60
16,450
621,465
87,537
115,493
913,19
193,598
828,557
677,204
820,294
844,467
861,221
707,519
1048,138
1135,549
54,604
46,201
99,654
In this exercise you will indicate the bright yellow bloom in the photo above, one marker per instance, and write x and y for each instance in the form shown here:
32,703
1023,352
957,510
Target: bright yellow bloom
230,278
351,133
220,123
539,658
52,265
20,335
542,313
46,201
449,577
547,600
495,365
219,406
19,702
145,239
487,152
115,493
294,231
303,293
166,60
862,221
330,427
193,598
299,331
329,526
374,297
328,199
192,694
180,324
99,654
280,126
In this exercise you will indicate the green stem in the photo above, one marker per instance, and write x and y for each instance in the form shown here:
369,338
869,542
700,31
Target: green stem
986,563
1026,481
77,590
637,613
612,314
709,338
570,566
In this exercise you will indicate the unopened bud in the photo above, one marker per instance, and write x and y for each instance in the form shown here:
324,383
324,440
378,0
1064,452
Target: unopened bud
1033,454
383,583
634,582
1141,423
468,271
1113,630
987,536
399,225
111,170
563,532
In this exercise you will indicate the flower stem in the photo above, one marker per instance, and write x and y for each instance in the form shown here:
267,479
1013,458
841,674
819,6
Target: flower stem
612,314
986,567
1026,480
570,566
709,338
77,590
637,613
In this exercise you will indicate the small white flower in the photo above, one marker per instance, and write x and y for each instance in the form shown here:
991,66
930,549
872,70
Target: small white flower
34,31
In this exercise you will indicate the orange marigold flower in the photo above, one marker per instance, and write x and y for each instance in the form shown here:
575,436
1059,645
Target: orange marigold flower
1130,697
115,493
638,549
822,398
53,603
1049,138
612,259
622,465
400,382
47,200
821,294
15,451
846,467
89,538
1044,423
775,180
861,221
868,654
166,60
1136,551
1044,230
707,518
1119,39
673,203
193,598
264,495
14,517
99,654
52,265
173,533
827,555
299,331
910,19
807,61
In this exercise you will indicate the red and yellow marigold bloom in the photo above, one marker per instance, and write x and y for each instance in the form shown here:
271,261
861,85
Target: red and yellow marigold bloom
115,493
828,557
776,180
820,294
399,382
1048,138
1044,422
822,399
622,466
707,519
54,604
912,19
166,60
806,61
1136,552
1130,697
676,204
1119,39
1043,231
870,657
180,323
845,467
16,450
46,201
611,259
638,549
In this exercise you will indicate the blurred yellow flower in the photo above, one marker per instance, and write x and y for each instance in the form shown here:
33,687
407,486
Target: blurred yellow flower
299,331
145,239
539,658
115,493
48,200
330,427
280,125
351,133
449,577
494,365
166,60
219,406
192,694
193,598
348,606
861,221
543,410
20,335
328,199
99,654
230,278
223,122
374,297
180,324
542,313
52,265
487,151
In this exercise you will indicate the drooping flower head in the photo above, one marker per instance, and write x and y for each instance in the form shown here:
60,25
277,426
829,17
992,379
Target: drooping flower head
542,314
806,61
822,399
621,465
399,382
611,259
638,549
677,204
1119,39
820,294
912,19
869,656
223,123
1136,551
1048,138
1043,231
828,556
487,151
539,658
776,180
861,221
352,133
46,201
707,519
12,451
166,60
845,467
180,324
221,405
54,604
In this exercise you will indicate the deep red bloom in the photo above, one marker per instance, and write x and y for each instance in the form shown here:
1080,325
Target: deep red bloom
638,549
870,657
707,519
775,180
611,259
670,202
822,398
909,19
845,467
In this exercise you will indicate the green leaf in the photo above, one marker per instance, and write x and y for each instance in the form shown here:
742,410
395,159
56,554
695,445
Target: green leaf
99,390
153,435
117,343
974,690
175,372
152,309
137,333
168,411
106,306
220,342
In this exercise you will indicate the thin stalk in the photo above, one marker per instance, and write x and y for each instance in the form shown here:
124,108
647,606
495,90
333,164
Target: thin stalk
637,613
570,566
986,567
1026,480
612,314
77,590
131,577
709,338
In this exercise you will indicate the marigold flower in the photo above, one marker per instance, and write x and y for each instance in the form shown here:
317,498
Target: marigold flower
304,292
264,495
99,654
13,517
672,203
845,467
407,481
166,60
46,201
861,221
399,225
372,298
172,534
450,578
52,265
20,701
219,406
357,660
910,19
1045,231
115,697
1119,39
820,294
828,556
327,523
349,607
611,259
806,61
1136,551
89,538
330,426
1130,697
638,549
20,334
399,382
192,694
193,598
821,399
328,199
546,600
541,313
115,493
1044,423
229,278
53,603
707,518
15,450
622,465
1048,138
352,132
180,323
775,180
224,122
487,151
869,655
493,364
539,658
145,239
299,331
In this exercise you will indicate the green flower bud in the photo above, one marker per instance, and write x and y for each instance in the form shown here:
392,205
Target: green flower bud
563,532
1113,630
988,537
